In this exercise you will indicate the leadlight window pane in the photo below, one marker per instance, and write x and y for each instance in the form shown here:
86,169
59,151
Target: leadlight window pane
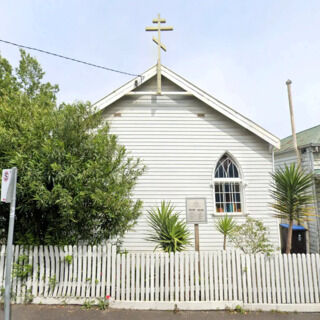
226,168
228,193
229,199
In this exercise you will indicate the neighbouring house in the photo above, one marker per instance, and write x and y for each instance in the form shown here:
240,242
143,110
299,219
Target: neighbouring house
194,146
309,146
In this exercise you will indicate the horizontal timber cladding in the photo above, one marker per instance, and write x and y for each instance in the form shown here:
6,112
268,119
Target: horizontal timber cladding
79,274
180,151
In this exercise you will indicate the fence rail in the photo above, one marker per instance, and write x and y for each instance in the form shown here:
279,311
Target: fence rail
97,271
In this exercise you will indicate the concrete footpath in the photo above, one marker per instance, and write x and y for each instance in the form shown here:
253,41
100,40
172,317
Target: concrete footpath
45,312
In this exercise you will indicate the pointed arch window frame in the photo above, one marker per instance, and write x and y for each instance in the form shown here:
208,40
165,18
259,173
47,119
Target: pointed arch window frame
228,191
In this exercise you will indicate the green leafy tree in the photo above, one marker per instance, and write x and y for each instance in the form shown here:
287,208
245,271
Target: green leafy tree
290,191
225,225
169,232
75,180
251,237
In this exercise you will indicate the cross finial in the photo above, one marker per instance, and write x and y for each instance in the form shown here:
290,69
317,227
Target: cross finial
159,28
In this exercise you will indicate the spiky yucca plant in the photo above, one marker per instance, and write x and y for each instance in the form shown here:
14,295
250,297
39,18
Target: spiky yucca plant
225,225
170,233
290,191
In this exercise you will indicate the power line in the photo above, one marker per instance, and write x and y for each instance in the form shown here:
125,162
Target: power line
68,58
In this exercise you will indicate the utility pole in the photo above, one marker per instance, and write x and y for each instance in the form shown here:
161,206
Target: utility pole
293,128
8,195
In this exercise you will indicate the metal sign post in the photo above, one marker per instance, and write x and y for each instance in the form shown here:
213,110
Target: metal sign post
8,195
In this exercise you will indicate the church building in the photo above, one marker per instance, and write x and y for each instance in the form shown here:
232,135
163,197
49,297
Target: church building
207,159
194,147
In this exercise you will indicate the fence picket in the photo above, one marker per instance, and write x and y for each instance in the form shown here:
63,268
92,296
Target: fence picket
157,277
108,271
98,286
118,262
142,286
291,278
152,277
206,276
103,270
244,278
166,286
47,271
305,278
35,265
128,276
220,275
196,271
225,276
286,278
249,278
309,276
176,276
187,277
181,262
84,270
253,278
147,277
277,278
273,281
123,277
192,259
57,270
2,265
94,277
315,280
238,264
295,281
137,277
301,284
259,282
161,276
215,276
79,275
211,276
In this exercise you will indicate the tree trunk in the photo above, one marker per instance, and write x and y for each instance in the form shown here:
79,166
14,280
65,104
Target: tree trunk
224,242
289,237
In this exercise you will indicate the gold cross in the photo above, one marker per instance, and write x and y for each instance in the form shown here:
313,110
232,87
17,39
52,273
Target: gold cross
160,45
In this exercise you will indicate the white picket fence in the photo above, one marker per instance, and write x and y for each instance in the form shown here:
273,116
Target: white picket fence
217,276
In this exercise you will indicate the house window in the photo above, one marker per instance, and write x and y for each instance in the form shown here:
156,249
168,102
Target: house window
227,186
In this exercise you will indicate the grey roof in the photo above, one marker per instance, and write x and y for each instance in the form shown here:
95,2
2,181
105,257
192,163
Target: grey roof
306,137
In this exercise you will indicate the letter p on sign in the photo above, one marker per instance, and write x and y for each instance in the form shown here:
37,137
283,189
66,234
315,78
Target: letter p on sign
7,185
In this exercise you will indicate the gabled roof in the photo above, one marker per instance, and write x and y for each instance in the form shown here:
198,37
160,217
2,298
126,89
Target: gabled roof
308,137
196,92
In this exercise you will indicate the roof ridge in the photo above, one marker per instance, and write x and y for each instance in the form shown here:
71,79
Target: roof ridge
300,132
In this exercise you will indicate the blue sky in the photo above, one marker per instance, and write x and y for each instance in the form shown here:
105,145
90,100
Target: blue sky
241,52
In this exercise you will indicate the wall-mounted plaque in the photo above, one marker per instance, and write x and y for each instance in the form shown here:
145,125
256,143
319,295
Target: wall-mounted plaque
196,210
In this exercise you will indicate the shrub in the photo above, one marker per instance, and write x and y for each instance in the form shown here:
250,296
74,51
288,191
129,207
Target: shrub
251,237
170,233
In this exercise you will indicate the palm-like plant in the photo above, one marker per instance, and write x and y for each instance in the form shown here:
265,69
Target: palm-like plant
170,233
290,191
226,226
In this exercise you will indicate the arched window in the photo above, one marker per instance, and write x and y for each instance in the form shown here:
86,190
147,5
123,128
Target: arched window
227,186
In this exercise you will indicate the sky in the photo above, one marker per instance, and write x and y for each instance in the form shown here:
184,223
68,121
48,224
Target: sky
240,51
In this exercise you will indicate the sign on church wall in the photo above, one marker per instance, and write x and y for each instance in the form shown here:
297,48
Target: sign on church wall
196,210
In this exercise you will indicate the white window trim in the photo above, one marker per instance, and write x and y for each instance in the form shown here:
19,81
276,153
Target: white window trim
242,185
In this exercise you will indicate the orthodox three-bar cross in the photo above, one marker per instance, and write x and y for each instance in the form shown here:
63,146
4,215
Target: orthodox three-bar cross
159,28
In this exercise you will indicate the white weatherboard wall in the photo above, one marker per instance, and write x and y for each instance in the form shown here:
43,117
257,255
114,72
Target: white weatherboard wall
180,149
